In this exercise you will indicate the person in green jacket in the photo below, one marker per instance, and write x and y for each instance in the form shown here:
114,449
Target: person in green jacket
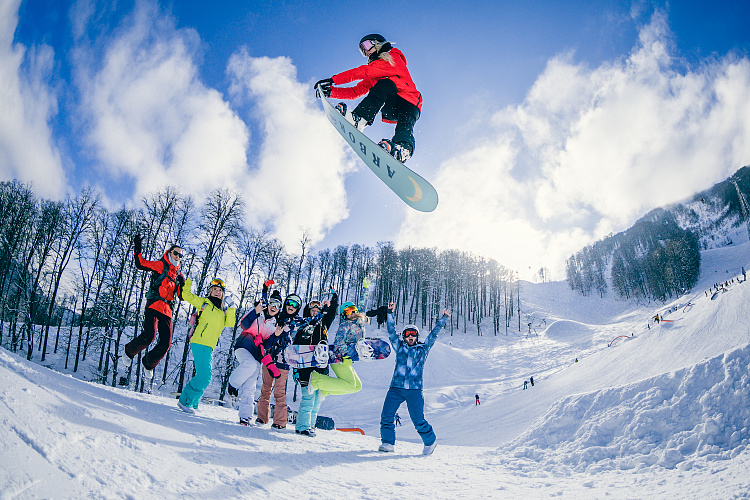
213,317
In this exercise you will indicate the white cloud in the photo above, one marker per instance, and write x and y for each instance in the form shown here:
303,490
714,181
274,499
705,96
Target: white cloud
27,104
588,152
299,181
155,121
151,116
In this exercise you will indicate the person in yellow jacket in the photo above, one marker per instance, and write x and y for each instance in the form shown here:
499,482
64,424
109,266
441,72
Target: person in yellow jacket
213,317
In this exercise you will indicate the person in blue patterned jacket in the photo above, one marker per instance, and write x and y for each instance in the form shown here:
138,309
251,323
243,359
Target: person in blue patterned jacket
406,384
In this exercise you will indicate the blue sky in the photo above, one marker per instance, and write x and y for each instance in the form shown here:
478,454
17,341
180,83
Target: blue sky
545,126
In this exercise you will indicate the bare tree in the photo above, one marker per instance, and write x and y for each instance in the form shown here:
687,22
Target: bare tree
78,216
221,221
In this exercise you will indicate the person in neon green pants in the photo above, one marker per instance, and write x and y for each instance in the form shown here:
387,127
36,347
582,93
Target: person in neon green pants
351,329
213,317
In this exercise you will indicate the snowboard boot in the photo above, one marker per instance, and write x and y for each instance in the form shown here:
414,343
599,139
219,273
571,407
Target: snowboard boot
364,350
148,375
246,422
399,151
356,120
429,449
306,432
277,427
386,447
259,422
184,408
126,361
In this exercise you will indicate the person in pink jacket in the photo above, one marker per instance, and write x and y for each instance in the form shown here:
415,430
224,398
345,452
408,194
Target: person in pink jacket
389,89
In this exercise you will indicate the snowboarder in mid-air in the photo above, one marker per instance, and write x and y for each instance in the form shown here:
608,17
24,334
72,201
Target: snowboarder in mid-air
390,90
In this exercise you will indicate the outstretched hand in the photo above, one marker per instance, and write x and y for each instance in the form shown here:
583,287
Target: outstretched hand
446,312
392,307
324,87
137,242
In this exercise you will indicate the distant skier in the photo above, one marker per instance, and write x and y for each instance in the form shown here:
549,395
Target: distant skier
165,289
476,400
389,87
525,384
531,380
406,384
212,318
398,420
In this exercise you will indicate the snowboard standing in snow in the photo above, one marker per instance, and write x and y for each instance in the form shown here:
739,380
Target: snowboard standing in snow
408,185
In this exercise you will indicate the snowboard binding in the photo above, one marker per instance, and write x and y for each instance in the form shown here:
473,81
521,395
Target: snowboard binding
398,151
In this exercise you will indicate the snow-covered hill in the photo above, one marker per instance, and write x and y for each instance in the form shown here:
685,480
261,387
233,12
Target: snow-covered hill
663,413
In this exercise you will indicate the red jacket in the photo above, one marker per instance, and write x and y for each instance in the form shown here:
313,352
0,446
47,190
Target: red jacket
370,73
169,289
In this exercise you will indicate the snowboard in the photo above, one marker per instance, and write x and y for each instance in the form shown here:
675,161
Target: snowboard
412,188
302,356
325,423
380,350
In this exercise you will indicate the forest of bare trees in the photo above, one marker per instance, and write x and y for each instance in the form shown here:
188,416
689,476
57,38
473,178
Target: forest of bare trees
69,287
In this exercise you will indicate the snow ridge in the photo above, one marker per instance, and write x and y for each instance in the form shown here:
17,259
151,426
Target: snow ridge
668,420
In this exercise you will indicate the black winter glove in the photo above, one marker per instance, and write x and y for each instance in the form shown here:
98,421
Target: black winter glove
382,314
137,244
181,281
323,86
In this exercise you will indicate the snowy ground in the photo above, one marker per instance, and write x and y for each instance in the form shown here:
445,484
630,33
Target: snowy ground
662,414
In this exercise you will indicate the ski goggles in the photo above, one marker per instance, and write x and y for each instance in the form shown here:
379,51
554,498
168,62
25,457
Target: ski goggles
365,46
217,282
293,303
274,303
350,310
410,333
315,303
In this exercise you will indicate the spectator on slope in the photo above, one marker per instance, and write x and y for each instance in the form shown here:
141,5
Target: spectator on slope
212,317
275,346
312,330
258,324
406,384
350,331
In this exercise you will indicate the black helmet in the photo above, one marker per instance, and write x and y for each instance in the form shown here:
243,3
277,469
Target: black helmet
374,37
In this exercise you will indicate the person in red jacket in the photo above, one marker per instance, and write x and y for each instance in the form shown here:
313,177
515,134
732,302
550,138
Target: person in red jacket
387,82
166,287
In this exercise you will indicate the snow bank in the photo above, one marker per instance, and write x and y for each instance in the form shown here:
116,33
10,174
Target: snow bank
668,421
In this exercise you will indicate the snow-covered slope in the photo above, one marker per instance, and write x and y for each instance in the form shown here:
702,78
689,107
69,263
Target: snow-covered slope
663,413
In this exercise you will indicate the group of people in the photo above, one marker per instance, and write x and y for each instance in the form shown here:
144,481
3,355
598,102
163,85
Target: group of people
268,329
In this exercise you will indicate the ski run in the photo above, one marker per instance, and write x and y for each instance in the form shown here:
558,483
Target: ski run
662,413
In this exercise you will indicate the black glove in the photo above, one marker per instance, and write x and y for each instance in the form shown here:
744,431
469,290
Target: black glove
181,281
382,314
323,86
137,244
